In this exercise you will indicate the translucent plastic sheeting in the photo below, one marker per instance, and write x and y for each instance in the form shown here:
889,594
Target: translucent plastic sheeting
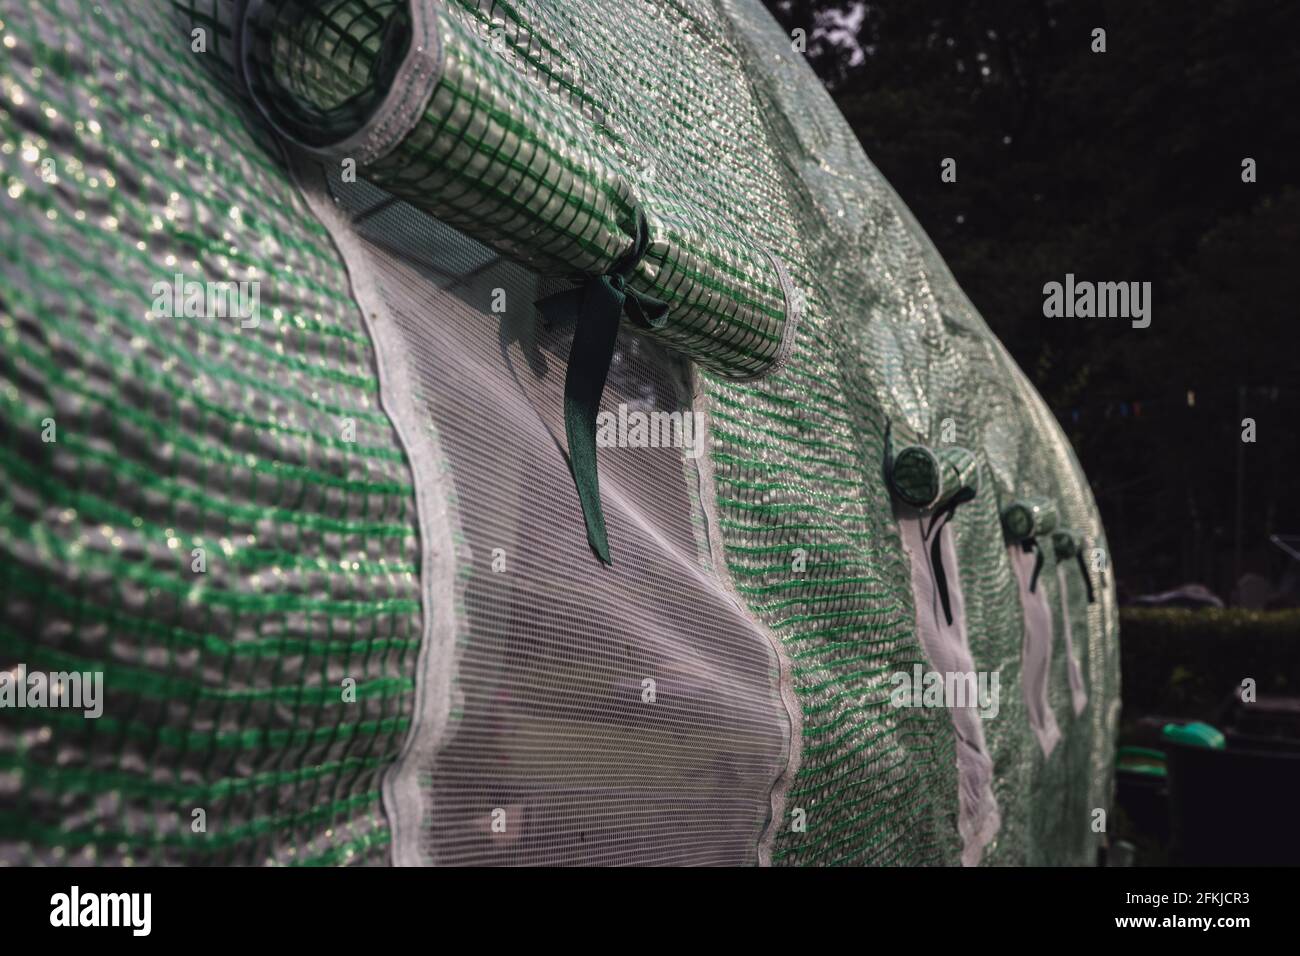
599,715
969,698
1037,656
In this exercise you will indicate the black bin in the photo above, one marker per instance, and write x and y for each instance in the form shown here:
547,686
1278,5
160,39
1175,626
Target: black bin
1234,807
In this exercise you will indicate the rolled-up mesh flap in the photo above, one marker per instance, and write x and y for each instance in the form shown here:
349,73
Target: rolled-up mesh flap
1066,543
1028,518
924,477
418,97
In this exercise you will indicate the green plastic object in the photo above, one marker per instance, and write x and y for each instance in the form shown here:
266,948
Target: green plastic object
1196,734
1143,760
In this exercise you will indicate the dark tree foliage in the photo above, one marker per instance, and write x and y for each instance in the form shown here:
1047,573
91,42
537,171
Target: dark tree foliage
1116,166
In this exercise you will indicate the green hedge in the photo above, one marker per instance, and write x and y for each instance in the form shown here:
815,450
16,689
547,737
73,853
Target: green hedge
1185,663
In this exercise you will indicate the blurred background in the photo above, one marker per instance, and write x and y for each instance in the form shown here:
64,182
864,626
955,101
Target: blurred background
1122,166
1127,166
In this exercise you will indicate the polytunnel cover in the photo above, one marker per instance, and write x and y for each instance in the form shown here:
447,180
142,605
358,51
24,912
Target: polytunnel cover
289,456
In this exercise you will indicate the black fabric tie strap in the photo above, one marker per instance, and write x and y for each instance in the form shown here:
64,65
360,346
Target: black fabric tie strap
1087,578
595,308
1029,544
937,523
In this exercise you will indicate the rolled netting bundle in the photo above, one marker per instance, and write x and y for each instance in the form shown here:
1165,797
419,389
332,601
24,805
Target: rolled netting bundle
1066,543
1029,518
420,99
923,477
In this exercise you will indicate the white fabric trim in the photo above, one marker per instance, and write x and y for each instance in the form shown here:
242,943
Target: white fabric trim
947,648
1078,695
785,682
1036,650
793,314
406,803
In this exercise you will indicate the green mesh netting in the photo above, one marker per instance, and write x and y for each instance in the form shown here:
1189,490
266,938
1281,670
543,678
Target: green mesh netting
258,455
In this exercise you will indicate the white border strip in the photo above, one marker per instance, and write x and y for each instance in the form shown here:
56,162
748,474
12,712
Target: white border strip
405,803
785,683
947,650
1036,647
1078,693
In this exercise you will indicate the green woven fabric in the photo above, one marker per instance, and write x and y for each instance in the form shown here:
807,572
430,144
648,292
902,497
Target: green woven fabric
123,166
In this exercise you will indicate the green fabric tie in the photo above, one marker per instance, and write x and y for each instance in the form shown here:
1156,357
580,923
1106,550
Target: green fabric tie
595,308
